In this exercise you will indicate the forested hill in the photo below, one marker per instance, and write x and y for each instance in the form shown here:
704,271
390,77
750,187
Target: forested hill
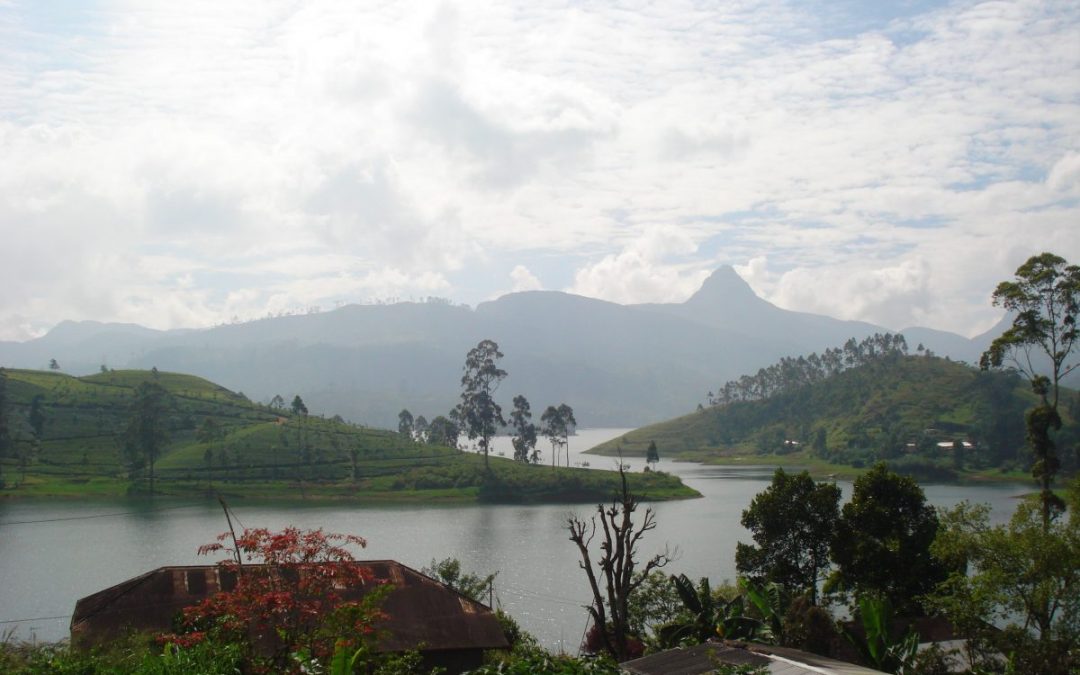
890,406
64,435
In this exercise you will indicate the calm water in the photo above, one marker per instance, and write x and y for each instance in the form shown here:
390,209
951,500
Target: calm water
52,553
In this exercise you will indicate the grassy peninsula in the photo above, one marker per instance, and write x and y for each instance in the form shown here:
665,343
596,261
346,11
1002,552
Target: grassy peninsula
926,416
68,437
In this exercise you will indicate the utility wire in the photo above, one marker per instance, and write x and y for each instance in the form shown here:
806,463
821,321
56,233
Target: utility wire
39,618
97,515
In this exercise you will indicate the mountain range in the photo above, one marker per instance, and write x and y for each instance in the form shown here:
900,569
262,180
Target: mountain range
616,365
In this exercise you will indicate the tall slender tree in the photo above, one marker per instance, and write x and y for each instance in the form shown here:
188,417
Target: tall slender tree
481,415
300,412
1044,300
551,426
652,455
147,432
569,424
420,428
525,431
405,423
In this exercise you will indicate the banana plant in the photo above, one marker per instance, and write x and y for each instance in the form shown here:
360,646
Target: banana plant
876,646
734,622
701,622
707,618
768,600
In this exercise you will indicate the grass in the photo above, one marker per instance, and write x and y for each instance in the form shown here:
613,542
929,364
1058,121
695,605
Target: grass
257,452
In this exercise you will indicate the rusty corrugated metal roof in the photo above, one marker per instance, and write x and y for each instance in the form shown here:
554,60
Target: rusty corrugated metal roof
421,612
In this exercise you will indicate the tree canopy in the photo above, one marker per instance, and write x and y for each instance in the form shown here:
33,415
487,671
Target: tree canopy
405,423
793,523
882,541
1044,299
1019,576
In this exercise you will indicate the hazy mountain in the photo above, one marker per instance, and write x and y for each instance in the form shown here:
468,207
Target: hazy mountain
725,301
615,364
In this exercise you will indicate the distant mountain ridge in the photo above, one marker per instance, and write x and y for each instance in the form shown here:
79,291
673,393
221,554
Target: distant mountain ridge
616,365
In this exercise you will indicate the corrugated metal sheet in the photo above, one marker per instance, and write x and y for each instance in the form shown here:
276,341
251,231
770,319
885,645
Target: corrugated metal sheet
702,659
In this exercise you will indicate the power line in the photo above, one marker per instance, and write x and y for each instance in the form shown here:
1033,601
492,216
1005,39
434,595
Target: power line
39,618
97,515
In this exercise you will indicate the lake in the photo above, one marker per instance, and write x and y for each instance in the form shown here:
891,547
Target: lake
55,552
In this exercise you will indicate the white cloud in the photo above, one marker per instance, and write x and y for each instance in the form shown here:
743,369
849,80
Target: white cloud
646,270
524,280
1064,175
274,155
895,296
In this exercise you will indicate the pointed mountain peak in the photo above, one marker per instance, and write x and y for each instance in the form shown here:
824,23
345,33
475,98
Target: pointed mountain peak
724,286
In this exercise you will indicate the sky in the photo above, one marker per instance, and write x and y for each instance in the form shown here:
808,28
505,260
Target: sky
186,164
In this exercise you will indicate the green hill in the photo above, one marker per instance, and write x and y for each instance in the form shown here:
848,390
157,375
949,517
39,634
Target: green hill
219,441
898,408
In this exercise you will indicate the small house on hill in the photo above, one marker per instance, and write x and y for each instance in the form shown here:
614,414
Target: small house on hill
449,629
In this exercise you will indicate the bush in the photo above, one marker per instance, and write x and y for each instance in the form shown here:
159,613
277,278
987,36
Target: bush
291,603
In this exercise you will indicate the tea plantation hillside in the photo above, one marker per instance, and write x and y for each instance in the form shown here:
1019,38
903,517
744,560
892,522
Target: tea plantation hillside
908,410
66,436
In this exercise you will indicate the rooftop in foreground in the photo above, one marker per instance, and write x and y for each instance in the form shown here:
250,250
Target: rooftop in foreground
702,659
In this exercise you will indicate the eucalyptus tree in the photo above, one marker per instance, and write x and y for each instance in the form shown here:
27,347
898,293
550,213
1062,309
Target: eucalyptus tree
566,414
551,426
300,412
1044,300
405,423
480,414
420,428
525,435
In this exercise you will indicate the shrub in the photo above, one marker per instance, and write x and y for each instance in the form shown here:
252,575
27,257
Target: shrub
293,602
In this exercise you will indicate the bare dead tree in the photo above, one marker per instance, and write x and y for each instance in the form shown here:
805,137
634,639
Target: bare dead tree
618,559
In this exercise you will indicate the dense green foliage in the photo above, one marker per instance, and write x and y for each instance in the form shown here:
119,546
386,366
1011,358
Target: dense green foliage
213,438
792,374
1019,576
793,522
881,546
